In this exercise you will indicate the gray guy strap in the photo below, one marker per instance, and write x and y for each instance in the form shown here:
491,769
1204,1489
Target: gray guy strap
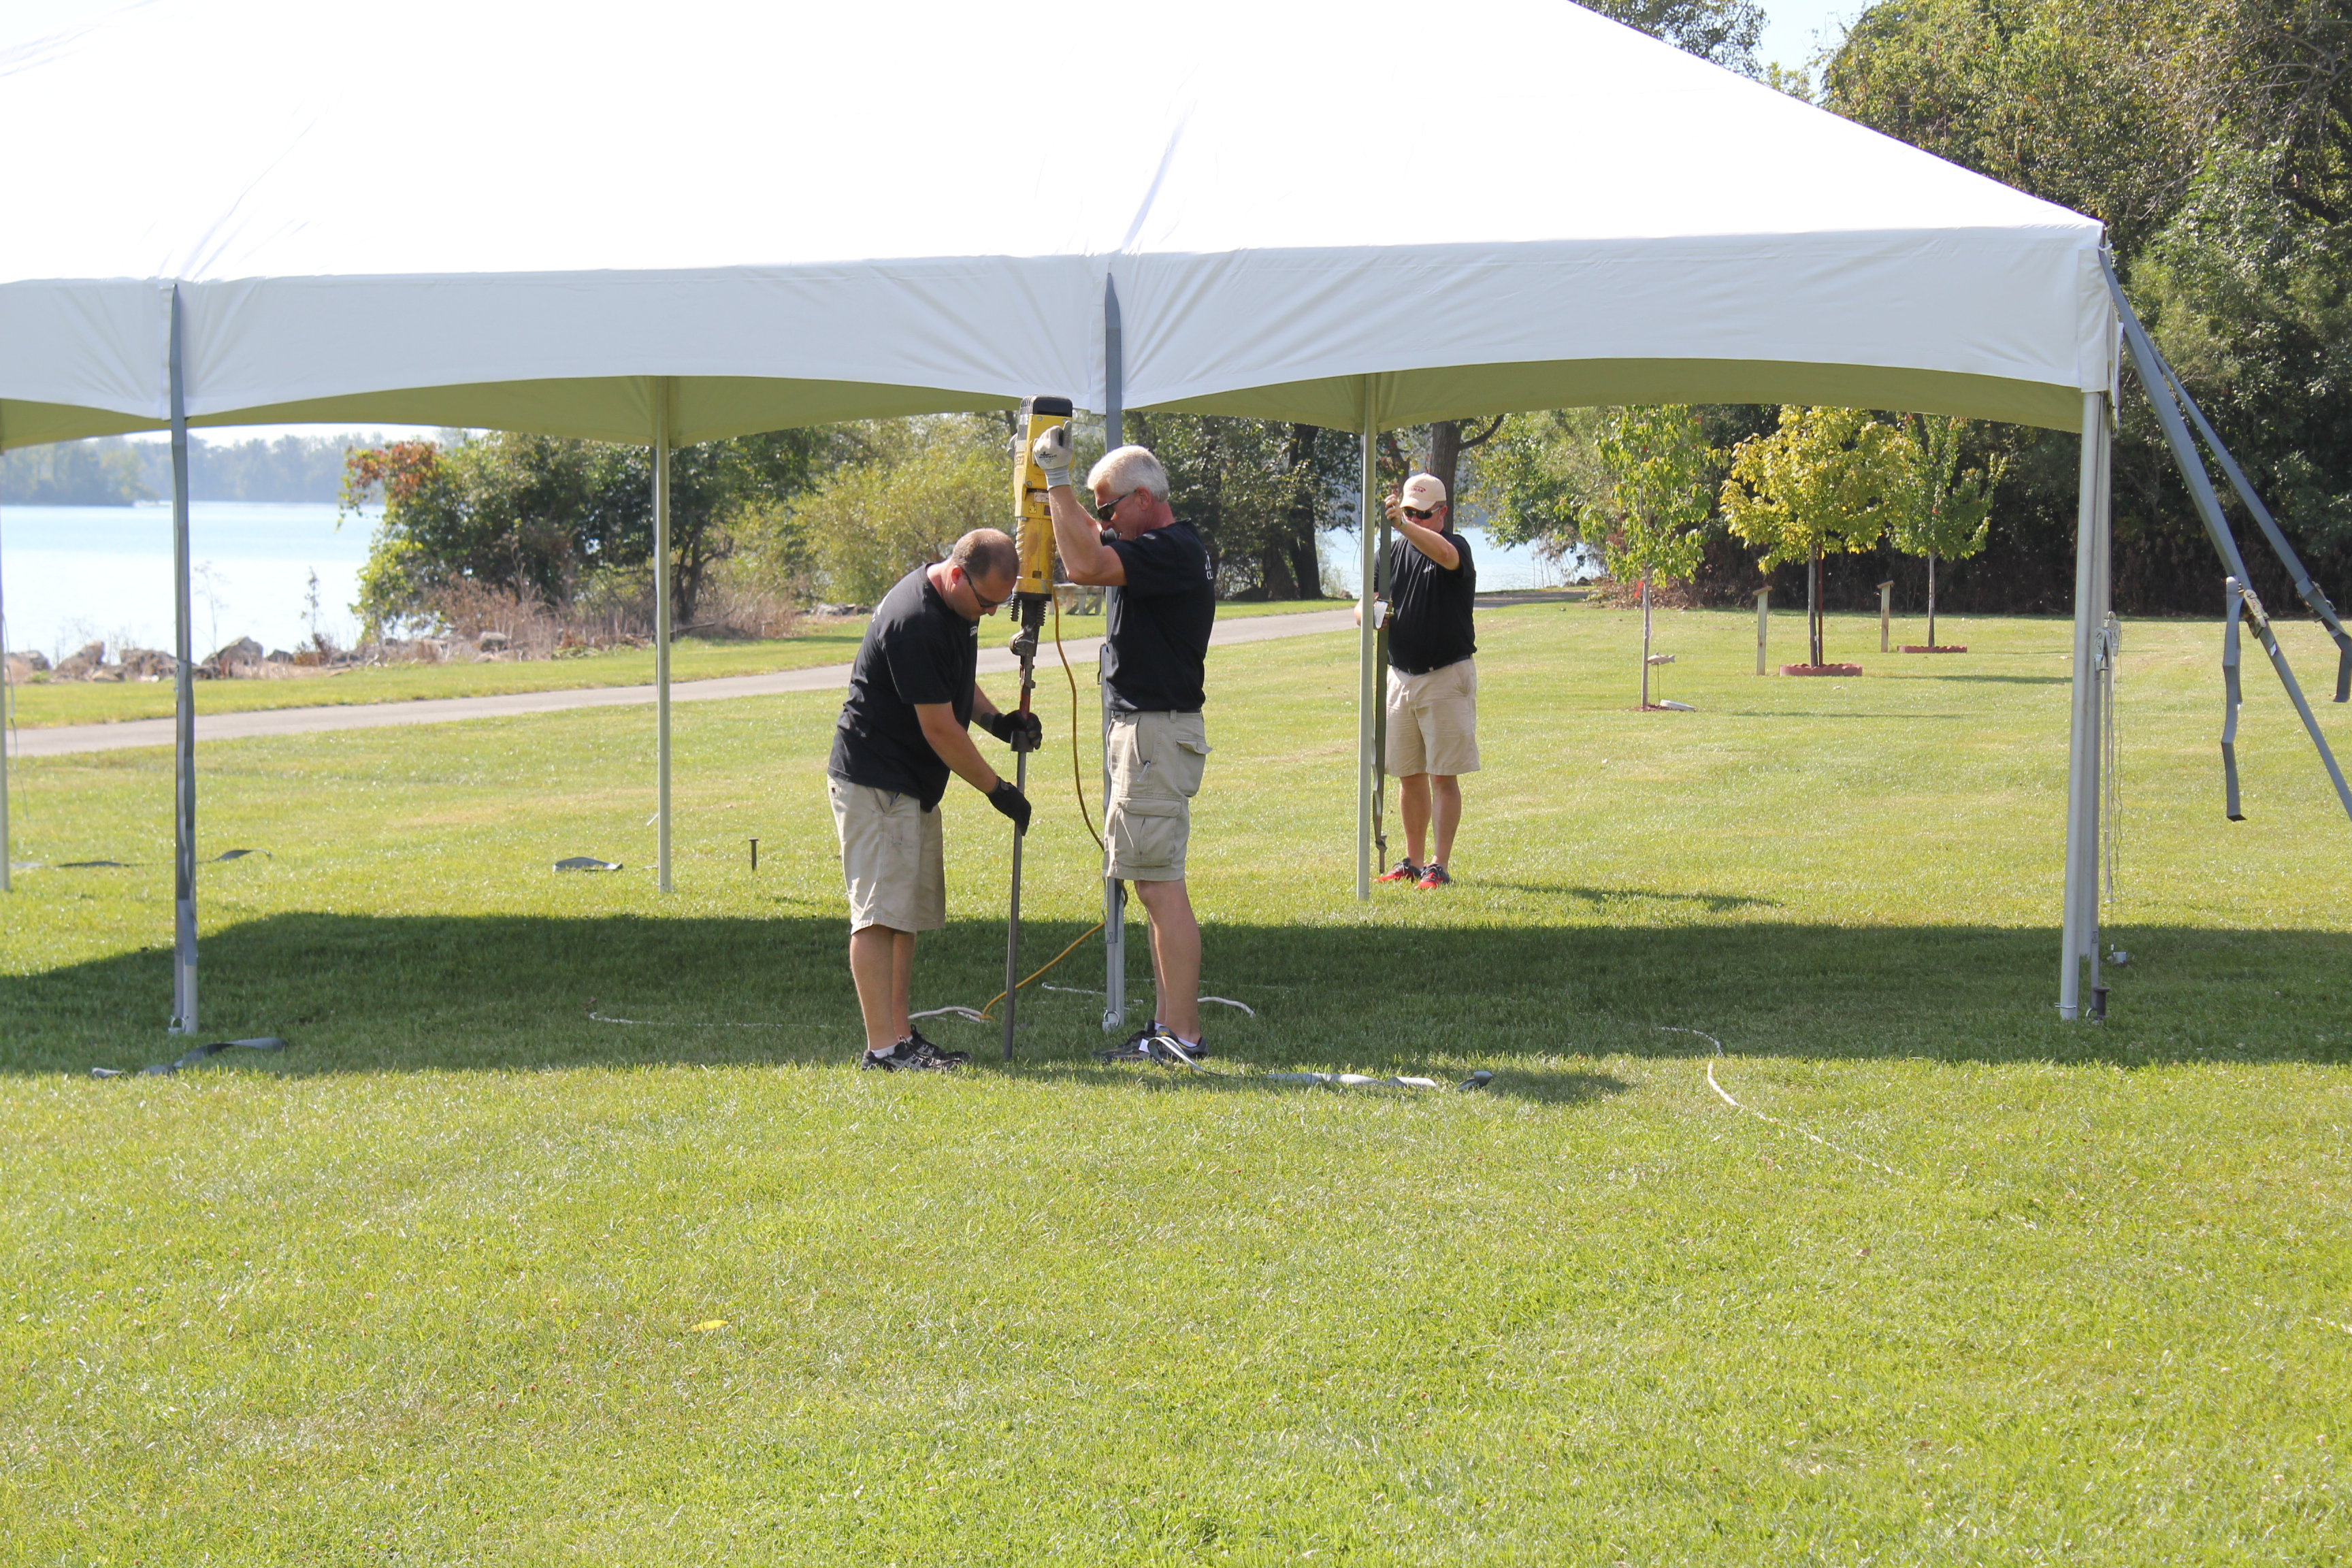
2170,398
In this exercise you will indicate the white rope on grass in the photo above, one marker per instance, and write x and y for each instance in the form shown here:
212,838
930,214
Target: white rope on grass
1081,991
1786,1126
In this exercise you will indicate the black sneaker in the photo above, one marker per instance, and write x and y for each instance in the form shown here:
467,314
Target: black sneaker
1137,1047
910,1056
953,1058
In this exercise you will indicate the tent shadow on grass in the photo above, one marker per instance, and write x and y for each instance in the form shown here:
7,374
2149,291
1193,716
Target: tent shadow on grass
368,994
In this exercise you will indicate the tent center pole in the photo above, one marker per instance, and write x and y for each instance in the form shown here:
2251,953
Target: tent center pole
2079,935
1114,890
1367,638
661,398
184,706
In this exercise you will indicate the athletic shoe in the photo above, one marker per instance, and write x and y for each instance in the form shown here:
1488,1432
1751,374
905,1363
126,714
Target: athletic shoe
1136,1048
1166,1048
908,1055
953,1058
1406,871
1432,876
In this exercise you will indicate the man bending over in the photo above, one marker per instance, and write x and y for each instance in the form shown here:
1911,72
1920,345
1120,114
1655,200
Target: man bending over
902,731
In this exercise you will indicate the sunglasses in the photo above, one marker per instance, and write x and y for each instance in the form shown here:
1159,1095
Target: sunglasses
986,604
1418,515
1104,509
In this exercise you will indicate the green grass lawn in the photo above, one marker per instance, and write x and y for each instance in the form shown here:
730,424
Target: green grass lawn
467,1274
693,659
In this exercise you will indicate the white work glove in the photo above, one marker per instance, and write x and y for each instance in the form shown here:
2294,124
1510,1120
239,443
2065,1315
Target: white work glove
1052,451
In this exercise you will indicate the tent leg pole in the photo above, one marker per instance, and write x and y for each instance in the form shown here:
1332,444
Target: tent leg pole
183,770
661,390
7,712
1114,890
2079,921
1368,646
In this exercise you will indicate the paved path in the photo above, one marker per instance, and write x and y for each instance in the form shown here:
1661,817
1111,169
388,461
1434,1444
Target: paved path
65,739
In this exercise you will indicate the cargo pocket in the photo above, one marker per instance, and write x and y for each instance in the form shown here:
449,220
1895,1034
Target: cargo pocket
1188,754
1146,835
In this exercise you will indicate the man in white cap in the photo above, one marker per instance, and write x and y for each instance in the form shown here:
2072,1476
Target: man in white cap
1432,705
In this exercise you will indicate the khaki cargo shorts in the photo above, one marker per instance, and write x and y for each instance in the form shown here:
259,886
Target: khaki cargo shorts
1155,770
892,857
1434,721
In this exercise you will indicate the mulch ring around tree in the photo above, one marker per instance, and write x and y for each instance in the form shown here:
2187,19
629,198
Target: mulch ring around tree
1935,647
1821,669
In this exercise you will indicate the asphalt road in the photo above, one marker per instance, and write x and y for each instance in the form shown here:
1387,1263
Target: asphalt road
66,739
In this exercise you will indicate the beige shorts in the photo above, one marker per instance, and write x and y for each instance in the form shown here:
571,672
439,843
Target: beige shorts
892,857
1155,770
1434,721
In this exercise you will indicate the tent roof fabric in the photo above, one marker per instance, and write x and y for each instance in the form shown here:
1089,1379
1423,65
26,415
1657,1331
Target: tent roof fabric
466,214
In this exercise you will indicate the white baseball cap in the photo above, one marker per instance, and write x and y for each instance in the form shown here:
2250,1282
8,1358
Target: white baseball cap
1425,492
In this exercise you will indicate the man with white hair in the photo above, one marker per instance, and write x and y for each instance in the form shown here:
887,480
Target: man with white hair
1158,637
902,731
1433,702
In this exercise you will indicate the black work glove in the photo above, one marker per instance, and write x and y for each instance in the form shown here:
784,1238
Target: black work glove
1022,731
1007,798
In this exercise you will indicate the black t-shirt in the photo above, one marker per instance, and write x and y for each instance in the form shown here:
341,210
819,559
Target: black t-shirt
1160,622
916,649
1429,608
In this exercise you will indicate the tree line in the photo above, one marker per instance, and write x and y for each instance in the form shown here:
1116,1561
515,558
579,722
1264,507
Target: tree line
114,471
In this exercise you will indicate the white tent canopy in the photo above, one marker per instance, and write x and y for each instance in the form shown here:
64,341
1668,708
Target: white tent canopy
716,219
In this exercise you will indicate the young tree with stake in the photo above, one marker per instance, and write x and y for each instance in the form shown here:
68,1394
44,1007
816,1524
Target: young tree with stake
1653,524
1828,478
1949,513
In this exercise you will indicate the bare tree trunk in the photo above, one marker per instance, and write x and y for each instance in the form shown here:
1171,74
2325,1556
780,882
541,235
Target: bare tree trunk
1813,586
1446,445
1931,601
1646,642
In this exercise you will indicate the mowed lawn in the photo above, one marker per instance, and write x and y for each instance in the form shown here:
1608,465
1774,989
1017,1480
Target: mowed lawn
472,1273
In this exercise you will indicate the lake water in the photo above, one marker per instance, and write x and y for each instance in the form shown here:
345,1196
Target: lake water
74,574
1500,566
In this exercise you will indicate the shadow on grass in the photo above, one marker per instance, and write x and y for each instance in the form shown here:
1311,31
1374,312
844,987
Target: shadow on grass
1601,898
368,994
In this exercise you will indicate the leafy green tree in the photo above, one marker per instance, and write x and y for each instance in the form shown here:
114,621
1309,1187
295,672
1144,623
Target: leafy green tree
540,516
2214,138
1260,491
1827,479
1724,31
1654,526
1947,512
919,485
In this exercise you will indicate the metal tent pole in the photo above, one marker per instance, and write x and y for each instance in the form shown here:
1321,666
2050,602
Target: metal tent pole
1114,890
184,814
1368,698
2079,935
661,391
7,704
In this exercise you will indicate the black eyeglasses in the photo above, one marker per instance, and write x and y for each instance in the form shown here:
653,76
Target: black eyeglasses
1418,515
986,604
1104,509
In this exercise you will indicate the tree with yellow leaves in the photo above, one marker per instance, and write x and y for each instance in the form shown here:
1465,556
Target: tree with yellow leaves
1828,478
